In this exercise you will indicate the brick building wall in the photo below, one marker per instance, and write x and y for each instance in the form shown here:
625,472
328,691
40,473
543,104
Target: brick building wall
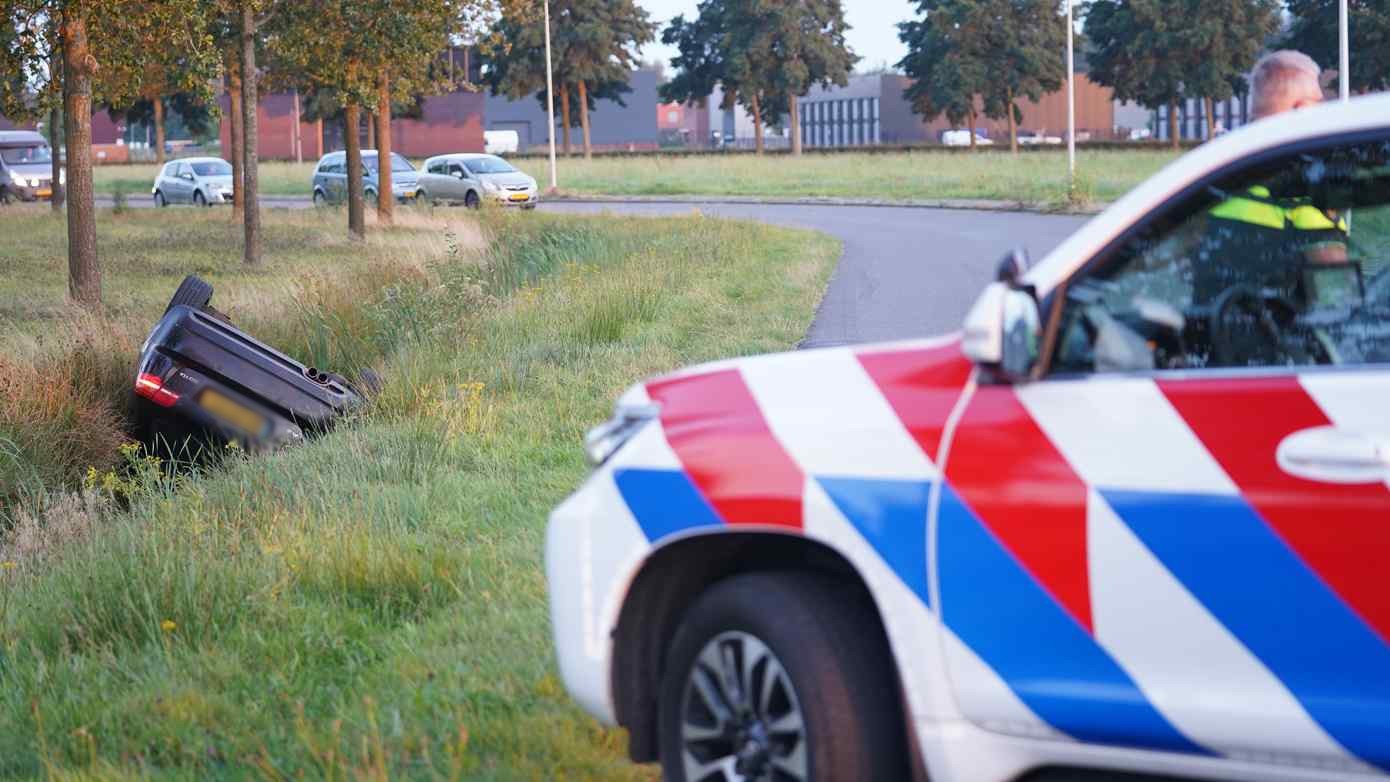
448,123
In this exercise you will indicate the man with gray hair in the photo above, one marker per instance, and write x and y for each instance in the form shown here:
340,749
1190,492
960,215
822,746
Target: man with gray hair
1285,81
1275,236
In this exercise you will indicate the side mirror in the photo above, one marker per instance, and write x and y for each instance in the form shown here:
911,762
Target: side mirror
1004,329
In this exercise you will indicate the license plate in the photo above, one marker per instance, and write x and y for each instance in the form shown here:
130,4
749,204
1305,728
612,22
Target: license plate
45,192
231,412
520,197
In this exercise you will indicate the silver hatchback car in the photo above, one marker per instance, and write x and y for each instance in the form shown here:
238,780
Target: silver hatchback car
471,179
201,181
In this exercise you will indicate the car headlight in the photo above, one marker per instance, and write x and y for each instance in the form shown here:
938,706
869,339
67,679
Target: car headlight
62,176
604,440
491,187
16,178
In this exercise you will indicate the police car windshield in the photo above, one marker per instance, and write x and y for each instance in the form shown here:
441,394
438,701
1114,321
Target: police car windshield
489,165
32,154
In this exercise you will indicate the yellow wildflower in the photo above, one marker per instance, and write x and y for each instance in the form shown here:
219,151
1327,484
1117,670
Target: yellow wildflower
9,565
168,626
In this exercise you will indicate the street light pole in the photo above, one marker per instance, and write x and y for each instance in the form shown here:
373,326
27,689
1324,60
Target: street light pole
1344,67
550,100
1071,101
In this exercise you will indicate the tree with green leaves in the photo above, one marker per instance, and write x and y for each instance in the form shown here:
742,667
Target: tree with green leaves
1315,32
943,62
1022,44
1138,51
1225,38
1144,55
789,46
594,47
99,44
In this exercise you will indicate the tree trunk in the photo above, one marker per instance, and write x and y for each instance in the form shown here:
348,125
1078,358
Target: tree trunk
251,249
235,134
971,116
385,198
54,126
371,130
356,220
584,119
757,125
84,270
792,101
298,135
1209,105
158,103
1174,134
1013,123
467,69
565,117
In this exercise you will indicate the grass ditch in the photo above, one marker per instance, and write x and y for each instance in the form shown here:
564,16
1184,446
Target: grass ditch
370,604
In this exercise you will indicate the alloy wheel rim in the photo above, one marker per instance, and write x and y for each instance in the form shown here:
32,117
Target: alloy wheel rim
741,719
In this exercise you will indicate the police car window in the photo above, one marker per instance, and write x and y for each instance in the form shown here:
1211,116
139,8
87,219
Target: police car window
1284,265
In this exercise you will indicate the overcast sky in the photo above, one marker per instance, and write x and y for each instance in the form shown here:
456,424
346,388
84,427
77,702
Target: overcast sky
873,33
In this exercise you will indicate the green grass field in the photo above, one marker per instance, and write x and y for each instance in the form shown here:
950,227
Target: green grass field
1035,178
370,605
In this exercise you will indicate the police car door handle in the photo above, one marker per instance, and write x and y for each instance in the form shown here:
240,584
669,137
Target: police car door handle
1330,455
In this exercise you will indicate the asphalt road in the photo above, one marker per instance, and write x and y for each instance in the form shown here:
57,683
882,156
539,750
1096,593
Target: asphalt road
906,272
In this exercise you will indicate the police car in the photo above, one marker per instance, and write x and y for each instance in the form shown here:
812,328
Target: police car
1134,518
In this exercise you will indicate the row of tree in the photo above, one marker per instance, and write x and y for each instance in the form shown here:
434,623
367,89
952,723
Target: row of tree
968,57
764,54
65,56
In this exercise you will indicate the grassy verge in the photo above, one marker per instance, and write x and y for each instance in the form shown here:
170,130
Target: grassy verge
372,604
1035,178
1038,178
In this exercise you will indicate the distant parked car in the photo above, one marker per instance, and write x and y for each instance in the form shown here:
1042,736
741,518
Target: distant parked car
501,142
471,179
1035,139
26,166
330,178
201,181
961,138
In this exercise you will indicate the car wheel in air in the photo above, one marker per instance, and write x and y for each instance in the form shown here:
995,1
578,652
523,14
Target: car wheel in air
472,201
192,292
319,198
159,199
198,199
780,676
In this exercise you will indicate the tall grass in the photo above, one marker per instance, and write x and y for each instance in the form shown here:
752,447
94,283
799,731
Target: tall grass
371,605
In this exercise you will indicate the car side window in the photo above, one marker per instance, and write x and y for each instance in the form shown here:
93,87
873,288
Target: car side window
435,167
1284,264
457,170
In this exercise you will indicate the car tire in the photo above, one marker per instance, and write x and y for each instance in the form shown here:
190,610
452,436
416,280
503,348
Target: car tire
368,197
159,199
192,292
319,198
422,198
471,200
198,199
834,679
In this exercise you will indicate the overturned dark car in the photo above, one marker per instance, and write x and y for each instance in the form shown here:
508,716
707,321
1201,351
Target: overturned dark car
203,382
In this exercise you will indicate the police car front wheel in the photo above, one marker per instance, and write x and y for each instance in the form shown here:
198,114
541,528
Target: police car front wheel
780,676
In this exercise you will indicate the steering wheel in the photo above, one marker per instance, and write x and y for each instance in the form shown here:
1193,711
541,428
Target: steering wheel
1251,327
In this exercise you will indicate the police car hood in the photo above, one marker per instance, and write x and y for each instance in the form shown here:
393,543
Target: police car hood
805,412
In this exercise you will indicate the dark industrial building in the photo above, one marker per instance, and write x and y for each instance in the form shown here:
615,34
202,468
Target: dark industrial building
872,110
611,126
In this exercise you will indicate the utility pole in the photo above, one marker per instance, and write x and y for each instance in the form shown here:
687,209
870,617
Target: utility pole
1344,67
1071,101
550,100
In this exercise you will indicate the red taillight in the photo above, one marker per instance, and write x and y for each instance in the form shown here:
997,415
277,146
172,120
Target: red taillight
152,388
